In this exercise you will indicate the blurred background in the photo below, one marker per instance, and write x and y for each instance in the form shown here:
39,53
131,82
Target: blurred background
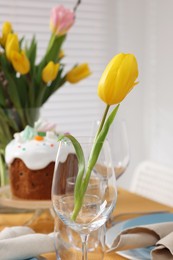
103,29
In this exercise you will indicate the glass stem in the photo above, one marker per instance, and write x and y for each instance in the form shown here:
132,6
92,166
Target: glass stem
84,238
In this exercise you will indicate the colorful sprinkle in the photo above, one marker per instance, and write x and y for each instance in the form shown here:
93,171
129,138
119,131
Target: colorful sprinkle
42,133
52,145
24,149
39,138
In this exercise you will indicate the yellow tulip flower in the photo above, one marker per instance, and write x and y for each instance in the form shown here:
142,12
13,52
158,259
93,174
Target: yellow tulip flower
12,44
118,78
20,62
78,73
6,29
50,72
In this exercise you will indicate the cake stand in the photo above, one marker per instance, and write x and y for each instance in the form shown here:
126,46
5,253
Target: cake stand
10,204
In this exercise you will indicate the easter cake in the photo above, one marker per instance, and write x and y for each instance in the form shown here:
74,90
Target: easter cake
30,157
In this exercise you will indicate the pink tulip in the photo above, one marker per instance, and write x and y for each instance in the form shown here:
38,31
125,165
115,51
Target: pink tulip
61,20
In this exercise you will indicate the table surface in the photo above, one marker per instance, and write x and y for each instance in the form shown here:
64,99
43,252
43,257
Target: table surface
127,202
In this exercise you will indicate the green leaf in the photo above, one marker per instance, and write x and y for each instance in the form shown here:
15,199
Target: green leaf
2,96
81,163
13,90
7,117
5,133
31,53
22,87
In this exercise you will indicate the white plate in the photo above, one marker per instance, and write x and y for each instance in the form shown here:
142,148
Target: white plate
7,200
140,253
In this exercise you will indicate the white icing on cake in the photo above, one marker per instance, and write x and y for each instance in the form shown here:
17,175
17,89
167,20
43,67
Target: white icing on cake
35,153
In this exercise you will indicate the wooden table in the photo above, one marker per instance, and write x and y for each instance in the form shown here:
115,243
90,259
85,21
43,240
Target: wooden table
127,202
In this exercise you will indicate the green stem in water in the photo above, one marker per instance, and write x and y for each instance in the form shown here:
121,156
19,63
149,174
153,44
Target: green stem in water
83,188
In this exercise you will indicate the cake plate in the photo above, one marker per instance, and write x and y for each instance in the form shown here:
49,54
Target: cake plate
10,204
7,200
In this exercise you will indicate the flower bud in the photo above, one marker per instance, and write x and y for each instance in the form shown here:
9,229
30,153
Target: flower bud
20,62
118,78
50,72
78,73
61,20
12,44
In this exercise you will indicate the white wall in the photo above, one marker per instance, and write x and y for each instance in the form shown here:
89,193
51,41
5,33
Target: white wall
128,35
145,29
160,75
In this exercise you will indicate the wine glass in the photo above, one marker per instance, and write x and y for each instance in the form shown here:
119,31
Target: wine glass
97,205
119,144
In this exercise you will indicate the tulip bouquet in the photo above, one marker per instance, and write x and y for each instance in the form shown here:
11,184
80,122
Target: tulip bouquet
26,85
116,82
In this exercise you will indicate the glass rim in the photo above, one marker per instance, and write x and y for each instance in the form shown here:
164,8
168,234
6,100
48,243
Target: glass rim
82,140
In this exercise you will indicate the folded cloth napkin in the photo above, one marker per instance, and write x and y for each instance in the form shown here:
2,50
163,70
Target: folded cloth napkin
18,243
159,235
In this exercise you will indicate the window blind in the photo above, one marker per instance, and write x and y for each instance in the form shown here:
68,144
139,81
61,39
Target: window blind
74,107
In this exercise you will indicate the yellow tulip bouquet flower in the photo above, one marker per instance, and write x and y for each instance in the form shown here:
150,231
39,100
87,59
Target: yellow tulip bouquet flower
116,82
25,85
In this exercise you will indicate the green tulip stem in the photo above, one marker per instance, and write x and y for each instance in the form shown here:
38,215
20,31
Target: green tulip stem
103,120
82,190
52,38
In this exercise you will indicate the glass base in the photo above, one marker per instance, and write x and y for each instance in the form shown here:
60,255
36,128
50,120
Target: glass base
68,243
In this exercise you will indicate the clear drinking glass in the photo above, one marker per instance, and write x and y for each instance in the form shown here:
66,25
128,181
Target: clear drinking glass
98,202
97,236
